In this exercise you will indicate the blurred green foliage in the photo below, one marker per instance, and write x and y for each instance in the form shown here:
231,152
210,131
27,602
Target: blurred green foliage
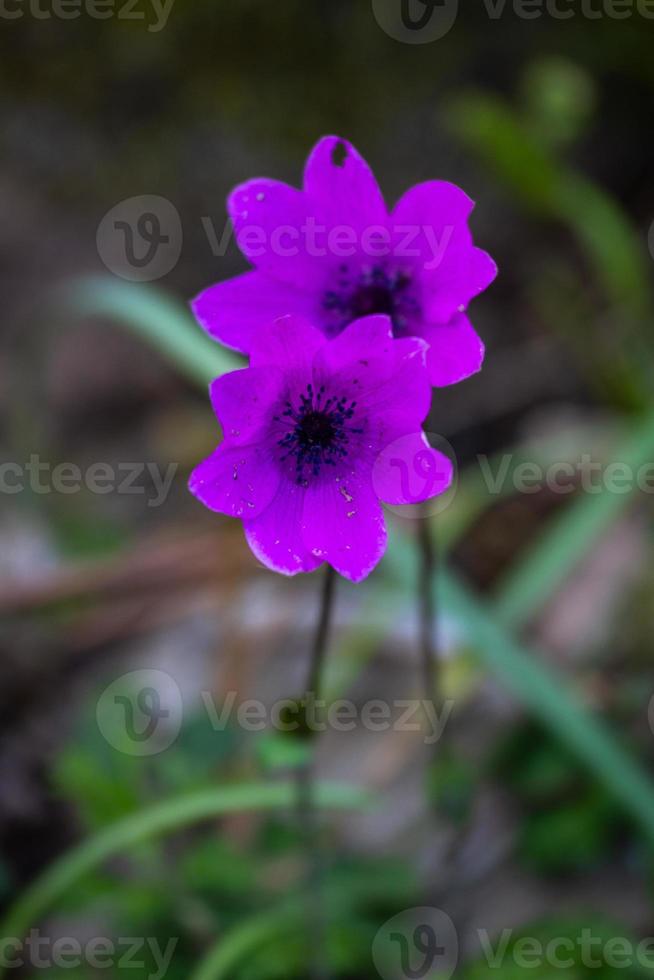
567,823
200,884
524,147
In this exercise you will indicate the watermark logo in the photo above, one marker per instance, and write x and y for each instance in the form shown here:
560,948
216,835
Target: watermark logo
140,238
140,713
407,472
423,21
416,944
416,21
650,714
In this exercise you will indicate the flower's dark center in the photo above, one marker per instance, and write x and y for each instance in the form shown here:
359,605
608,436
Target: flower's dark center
372,299
319,432
373,290
315,430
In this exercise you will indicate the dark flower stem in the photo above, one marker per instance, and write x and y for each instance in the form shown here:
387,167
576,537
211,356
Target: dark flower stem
319,649
317,924
427,608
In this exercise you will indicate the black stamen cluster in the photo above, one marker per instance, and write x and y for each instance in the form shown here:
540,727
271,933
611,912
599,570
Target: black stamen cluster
319,433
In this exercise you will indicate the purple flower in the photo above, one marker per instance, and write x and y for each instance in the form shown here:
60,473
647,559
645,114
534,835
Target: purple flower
332,252
316,433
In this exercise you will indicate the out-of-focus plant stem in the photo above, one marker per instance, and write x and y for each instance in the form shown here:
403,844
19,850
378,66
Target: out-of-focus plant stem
306,804
427,609
321,638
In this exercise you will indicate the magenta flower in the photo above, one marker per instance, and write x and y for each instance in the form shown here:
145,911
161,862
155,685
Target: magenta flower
332,252
316,433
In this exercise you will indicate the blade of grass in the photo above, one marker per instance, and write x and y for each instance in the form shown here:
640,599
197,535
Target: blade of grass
613,246
287,919
164,322
611,243
495,132
248,937
549,697
498,134
533,580
475,486
152,822
524,673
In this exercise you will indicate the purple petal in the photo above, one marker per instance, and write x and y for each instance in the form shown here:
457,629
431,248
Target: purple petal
428,220
275,536
452,271
340,181
270,220
438,203
235,310
455,351
289,343
369,336
409,471
344,524
386,377
243,402
402,398
462,274
236,480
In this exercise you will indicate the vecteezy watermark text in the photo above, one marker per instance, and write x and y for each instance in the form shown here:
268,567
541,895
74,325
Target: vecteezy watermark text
141,713
43,477
565,952
318,715
140,239
424,21
507,471
40,952
339,241
423,942
154,13
564,476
